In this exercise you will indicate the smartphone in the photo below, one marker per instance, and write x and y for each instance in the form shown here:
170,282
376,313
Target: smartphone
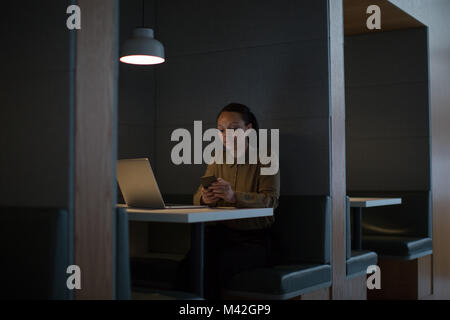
207,181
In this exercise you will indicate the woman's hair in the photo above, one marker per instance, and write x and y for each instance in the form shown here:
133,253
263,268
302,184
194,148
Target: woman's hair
244,111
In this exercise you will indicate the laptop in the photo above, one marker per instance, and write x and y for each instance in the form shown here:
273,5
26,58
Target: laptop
139,186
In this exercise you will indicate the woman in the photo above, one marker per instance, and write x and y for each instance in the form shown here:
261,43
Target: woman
235,245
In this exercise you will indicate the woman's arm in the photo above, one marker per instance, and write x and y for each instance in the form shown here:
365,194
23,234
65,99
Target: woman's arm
210,171
266,197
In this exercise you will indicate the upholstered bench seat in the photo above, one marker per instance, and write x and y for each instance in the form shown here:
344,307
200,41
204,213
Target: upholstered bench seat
398,246
35,253
280,282
152,294
359,261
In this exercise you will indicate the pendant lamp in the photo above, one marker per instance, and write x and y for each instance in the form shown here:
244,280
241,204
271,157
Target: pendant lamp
142,48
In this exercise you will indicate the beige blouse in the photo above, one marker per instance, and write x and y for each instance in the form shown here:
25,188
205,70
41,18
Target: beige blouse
252,190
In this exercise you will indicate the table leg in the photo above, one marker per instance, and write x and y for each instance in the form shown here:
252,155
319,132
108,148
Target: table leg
197,263
357,232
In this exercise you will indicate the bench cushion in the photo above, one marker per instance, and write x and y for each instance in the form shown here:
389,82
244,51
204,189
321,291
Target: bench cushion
123,281
398,246
151,294
359,261
410,219
302,230
35,252
157,270
280,282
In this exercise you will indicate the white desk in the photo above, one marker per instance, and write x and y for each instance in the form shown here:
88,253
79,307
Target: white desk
357,204
196,217
373,202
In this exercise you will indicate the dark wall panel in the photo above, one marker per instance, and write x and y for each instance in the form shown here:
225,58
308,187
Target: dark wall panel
136,88
35,97
34,37
176,179
279,82
304,155
136,106
137,92
387,111
435,15
386,57
272,56
388,164
136,141
189,27
304,145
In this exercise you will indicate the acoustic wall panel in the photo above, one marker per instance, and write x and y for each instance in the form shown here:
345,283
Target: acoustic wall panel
272,56
276,81
34,37
386,57
387,111
35,98
388,164
192,27
136,87
304,160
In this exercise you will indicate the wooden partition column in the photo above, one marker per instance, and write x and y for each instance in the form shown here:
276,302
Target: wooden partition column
354,13
435,15
337,111
95,147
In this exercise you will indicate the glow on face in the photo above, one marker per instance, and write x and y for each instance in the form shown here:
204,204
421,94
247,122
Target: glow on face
233,121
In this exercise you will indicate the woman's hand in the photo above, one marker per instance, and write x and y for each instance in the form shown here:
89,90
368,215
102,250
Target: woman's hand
222,190
208,196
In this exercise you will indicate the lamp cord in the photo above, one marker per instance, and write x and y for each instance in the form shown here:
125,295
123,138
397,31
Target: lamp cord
143,14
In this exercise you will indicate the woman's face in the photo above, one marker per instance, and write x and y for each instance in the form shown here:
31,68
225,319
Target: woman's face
231,120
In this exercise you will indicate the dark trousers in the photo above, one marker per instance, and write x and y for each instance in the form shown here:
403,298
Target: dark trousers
227,253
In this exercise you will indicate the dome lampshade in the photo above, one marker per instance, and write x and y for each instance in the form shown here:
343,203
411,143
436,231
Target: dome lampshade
142,48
